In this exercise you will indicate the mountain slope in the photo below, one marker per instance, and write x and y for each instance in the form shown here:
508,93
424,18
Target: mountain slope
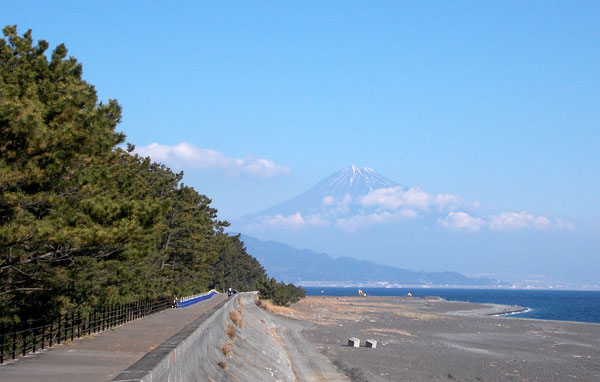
341,189
294,265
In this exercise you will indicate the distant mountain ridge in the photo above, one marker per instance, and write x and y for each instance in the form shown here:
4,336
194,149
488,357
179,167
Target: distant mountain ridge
290,264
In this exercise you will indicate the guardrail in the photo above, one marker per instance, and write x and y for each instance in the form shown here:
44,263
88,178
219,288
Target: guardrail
191,300
45,333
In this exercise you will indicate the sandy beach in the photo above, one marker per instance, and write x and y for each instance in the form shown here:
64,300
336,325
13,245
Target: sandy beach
430,339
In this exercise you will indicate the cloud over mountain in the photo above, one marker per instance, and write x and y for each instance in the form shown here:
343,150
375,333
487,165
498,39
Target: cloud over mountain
357,197
393,198
184,156
505,221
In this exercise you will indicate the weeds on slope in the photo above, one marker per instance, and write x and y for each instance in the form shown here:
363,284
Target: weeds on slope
227,350
230,331
236,318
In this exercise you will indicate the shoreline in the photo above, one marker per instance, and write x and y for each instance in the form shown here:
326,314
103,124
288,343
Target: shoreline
450,287
572,306
514,312
435,339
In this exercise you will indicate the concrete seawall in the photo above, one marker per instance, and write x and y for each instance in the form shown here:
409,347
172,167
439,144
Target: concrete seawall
260,347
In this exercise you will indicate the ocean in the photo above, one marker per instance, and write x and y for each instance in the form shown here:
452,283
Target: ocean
562,305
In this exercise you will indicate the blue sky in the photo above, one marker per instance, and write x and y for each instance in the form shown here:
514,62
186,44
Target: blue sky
497,102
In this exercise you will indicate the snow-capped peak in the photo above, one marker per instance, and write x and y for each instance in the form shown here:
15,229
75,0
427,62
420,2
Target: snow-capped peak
350,183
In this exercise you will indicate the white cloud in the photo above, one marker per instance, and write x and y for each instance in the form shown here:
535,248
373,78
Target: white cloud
392,198
510,221
355,222
407,213
186,156
563,225
316,220
334,205
505,221
462,220
293,221
328,201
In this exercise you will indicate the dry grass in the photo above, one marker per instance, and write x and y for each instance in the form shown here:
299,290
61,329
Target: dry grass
393,331
230,331
223,365
421,316
240,306
236,318
272,308
227,350
332,310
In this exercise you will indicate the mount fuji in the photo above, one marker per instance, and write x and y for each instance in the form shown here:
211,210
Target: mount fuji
337,195
357,213
363,219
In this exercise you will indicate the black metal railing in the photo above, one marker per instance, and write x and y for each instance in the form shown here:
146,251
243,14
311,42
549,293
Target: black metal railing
45,333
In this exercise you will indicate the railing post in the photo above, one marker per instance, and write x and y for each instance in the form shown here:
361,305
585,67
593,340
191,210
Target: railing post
14,345
59,326
72,325
43,336
79,324
51,334
23,341
103,318
2,333
34,338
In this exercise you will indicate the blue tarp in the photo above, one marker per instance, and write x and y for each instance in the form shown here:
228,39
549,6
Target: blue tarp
182,303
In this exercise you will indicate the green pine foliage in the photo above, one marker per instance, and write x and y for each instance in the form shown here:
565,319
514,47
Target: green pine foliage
279,292
84,222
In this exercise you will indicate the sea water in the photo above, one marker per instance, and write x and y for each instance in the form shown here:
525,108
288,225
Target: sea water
563,305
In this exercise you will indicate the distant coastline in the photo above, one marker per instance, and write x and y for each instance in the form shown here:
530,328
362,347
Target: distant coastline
387,285
544,304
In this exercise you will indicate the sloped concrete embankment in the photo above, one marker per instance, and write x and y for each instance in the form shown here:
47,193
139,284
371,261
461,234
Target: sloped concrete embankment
236,342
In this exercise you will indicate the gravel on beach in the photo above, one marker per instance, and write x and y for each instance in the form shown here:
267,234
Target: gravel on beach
430,339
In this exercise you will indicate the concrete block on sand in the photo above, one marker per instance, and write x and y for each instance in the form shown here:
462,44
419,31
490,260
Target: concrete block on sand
371,344
354,342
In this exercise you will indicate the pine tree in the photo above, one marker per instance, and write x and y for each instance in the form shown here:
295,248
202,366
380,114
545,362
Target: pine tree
84,222
52,131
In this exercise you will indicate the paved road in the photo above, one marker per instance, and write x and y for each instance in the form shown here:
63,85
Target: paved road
102,356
